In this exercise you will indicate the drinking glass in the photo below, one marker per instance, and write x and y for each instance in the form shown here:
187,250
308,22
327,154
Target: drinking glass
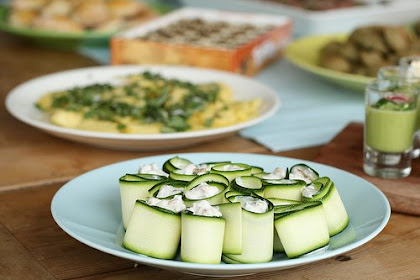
390,123
410,70
389,77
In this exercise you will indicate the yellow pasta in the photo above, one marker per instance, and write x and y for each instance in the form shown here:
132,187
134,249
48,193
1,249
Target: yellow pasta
147,103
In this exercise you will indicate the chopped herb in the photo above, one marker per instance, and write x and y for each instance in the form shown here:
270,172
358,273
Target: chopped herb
60,101
166,129
131,90
38,106
178,123
121,126
208,122
141,100
387,104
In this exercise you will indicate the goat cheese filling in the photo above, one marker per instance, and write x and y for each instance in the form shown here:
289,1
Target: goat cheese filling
202,191
203,208
309,191
192,169
301,173
231,167
277,173
175,204
252,204
152,169
168,190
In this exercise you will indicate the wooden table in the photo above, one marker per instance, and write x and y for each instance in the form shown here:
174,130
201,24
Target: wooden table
34,165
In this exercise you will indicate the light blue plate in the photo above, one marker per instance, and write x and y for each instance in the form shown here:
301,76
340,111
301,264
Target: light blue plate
88,208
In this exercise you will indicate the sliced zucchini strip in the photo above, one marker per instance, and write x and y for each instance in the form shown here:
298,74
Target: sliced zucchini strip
257,233
232,213
286,207
207,178
130,191
201,238
131,178
280,206
174,175
260,174
335,212
142,177
151,177
302,229
247,184
283,189
232,170
209,165
317,190
231,193
228,260
175,163
277,246
153,231
256,170
280,201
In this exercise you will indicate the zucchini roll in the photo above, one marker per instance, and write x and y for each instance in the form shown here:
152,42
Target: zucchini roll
324,190
302,228
210,187
155,227
202,233
257,230
133,187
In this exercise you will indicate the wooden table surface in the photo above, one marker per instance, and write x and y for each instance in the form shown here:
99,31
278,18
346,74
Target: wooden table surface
34,165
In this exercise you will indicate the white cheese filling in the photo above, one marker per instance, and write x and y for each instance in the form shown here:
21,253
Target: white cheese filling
231,167
152,169
277,173
202,191
206,166
301,173
281,181
309,191
203,208
175,204
192,169
168,190
252,204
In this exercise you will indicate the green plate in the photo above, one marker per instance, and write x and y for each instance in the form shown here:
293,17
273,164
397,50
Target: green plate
53,39
71,40
304,53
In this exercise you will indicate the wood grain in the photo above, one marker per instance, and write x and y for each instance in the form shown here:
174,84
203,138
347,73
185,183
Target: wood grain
16,261
26,216
345,151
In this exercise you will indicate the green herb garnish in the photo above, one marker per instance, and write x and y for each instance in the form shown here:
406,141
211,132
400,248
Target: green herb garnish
145,97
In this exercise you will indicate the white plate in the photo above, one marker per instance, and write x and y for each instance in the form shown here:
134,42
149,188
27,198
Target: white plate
88,209
20,103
